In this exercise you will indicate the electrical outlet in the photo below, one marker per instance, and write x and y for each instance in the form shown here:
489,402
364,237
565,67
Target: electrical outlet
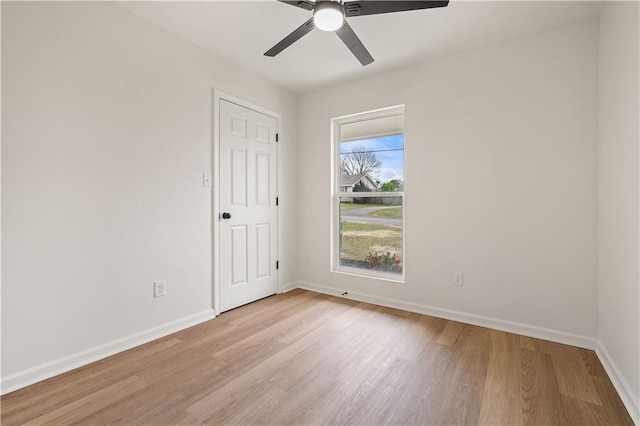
159,288
458,279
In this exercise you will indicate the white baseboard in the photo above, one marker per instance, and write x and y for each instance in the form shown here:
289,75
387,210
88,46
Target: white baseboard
290,286
45,371
494,323
628,397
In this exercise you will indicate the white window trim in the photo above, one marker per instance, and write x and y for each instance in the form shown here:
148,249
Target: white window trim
336,195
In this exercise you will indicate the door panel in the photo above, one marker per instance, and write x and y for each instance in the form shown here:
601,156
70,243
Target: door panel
263,237
238,177
248,187
238,252
262,133
262,179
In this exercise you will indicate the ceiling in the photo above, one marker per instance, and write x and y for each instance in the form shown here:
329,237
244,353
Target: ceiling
242,31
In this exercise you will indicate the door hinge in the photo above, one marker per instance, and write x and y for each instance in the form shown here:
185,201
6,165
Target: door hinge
277,137
277,202
277,264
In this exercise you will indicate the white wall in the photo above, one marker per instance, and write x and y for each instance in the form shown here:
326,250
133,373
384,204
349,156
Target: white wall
619,176
106,131
501,184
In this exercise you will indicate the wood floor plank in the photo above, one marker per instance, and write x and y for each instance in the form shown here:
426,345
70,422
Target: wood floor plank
462,402
271,369
541,398
173,418
251,407
500,409
389,392
82,407
616,413
500,401
426,386
275,309
527,342
450,333
308,402
305,358
227,363
592,363
66,388
504,364
419,331
582,413
332,309
573,377
370,370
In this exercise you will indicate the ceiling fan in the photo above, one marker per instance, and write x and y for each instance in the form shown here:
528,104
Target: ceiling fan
330,15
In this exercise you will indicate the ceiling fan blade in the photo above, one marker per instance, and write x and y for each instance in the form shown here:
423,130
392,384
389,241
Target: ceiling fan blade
296,35
303,4
349,37
373,7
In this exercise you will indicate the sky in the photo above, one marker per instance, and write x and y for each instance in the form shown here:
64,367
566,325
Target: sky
392,161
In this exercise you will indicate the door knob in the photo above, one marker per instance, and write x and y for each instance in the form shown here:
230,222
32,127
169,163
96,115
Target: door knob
226,215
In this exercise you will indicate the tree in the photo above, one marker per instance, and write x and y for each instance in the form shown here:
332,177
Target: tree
360,187
388,187
359,160
392,185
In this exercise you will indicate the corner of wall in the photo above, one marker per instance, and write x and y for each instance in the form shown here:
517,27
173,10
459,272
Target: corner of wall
628,397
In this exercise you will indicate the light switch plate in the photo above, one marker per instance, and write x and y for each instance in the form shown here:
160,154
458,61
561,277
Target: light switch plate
206,179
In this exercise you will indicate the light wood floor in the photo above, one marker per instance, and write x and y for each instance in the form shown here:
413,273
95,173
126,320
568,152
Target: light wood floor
307,358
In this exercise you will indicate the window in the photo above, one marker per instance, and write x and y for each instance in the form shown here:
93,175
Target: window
368,201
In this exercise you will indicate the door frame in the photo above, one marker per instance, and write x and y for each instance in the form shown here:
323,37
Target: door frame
215,157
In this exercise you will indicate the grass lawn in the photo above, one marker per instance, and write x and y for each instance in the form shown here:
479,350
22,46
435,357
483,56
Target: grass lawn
345,207
390,213
360,239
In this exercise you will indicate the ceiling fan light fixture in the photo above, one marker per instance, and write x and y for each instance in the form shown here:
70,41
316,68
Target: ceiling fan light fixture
328,15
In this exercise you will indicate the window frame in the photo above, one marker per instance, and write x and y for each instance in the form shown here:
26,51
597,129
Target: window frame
336,195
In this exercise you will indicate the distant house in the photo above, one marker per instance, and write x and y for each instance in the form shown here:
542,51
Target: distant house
349,182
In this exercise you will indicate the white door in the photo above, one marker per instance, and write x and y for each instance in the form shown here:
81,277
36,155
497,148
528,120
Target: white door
248,213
